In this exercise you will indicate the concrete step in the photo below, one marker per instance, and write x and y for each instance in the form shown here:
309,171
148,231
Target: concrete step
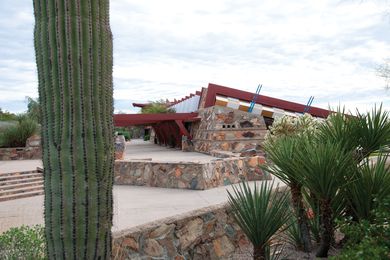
21,185
21,180
21,190
16,176
21,195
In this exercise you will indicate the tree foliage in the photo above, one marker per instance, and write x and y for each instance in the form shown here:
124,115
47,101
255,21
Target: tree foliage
157,107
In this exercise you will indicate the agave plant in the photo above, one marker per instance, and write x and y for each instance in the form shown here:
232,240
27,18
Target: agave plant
325,169
281,153
260,213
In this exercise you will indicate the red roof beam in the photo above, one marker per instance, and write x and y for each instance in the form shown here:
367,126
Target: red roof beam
214,90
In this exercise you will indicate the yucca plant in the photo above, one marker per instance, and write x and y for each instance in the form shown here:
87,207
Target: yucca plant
261,212
373,131
326,168
370,187
363,134
280,162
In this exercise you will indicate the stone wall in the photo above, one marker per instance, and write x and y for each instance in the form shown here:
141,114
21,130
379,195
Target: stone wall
227,129
208,233
189,175
20,153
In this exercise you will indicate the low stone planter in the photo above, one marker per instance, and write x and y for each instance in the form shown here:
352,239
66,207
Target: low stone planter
20,153
189,175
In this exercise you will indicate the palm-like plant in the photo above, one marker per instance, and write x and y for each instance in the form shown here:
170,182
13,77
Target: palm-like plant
281,153
325,169
260,213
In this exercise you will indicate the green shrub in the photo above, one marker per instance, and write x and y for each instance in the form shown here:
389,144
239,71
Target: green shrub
368,239
146,137
123,131
7,116
23,243
16,135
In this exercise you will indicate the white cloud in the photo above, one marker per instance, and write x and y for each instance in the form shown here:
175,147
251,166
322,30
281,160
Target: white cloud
167,49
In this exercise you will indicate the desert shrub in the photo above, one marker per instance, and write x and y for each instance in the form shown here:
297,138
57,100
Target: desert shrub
368,239
292,126
23,243
16,135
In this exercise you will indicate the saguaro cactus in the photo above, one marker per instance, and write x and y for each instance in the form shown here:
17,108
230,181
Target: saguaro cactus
73,45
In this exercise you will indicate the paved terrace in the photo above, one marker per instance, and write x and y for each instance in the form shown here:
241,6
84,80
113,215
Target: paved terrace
140,150
133,205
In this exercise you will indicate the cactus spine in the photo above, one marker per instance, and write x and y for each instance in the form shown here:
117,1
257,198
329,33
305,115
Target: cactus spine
73,45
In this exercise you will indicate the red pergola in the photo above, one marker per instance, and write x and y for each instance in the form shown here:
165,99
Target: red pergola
169,128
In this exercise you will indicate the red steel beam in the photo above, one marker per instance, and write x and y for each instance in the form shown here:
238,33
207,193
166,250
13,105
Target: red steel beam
149,119
214,90
182,128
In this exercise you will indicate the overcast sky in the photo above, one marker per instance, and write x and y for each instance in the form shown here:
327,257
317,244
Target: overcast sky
168,49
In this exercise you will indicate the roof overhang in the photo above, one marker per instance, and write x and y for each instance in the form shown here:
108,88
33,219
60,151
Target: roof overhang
151,119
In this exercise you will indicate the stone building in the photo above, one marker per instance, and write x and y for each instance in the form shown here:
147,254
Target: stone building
216,120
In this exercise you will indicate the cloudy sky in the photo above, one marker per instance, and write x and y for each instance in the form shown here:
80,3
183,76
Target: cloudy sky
167,49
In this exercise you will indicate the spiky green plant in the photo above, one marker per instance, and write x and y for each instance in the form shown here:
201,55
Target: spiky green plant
280,155
260,213
325,169
363,134
370,187
73,47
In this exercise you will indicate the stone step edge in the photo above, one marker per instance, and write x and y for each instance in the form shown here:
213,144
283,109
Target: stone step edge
23,180
20,176
20,190
24,184
5,174
21,195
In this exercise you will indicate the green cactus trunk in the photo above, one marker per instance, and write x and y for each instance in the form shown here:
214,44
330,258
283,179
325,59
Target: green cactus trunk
73,45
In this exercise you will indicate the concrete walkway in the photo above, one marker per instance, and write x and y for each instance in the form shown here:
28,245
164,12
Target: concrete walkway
19,165
133,206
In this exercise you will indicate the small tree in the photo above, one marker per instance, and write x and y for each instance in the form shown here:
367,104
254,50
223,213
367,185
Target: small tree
280,144
325,169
